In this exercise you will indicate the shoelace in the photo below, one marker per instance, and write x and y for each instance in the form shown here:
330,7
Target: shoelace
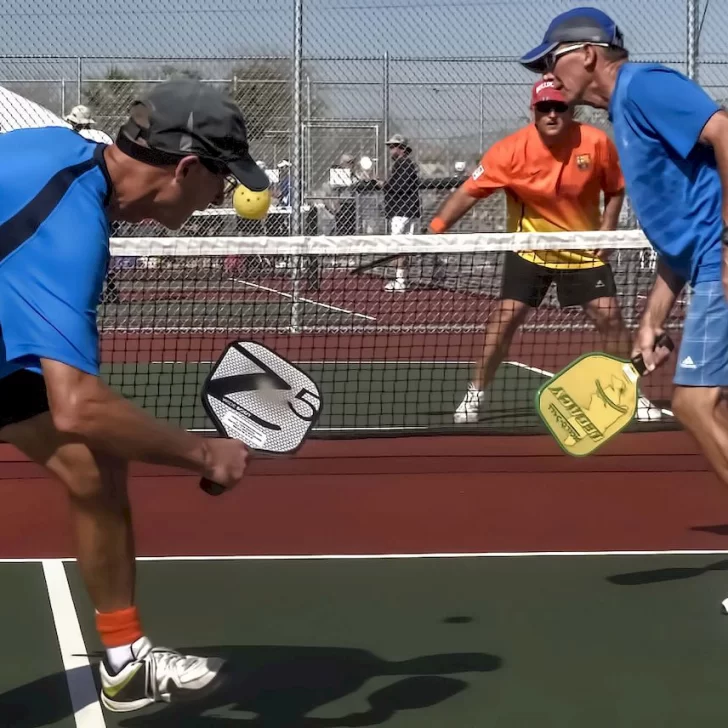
164,660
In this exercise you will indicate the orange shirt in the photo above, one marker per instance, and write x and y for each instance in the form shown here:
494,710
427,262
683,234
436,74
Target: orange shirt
551,189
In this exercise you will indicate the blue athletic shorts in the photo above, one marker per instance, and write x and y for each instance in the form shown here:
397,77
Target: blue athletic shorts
703,357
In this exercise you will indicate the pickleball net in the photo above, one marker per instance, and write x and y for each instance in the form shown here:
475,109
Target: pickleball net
388,359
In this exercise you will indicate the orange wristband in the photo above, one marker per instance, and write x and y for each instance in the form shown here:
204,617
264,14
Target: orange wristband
438,225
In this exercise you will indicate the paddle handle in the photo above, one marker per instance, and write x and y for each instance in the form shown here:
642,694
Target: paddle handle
639,363
211,488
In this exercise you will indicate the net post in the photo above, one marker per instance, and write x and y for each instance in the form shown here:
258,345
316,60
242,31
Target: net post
296,173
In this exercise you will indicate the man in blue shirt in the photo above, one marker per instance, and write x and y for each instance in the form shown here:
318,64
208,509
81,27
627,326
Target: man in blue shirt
59,194
672,140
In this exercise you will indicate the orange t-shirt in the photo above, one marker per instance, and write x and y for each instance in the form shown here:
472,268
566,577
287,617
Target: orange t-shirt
551,189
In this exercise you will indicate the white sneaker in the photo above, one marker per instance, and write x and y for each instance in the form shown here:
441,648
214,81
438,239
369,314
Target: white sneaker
647,412
469,409
158,675
398,284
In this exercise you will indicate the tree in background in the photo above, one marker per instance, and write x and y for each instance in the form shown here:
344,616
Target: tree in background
262,88
170,72
110,98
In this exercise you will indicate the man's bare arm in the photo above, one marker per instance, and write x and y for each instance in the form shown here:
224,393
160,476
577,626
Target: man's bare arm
458,204
610,219
664,293
662,297
612,208
82,405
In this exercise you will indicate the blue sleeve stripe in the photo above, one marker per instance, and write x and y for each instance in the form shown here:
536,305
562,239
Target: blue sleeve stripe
25,223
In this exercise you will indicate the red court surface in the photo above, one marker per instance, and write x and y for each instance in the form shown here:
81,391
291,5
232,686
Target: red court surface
414,495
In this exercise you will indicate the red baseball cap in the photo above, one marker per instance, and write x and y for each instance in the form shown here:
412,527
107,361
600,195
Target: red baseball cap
545,91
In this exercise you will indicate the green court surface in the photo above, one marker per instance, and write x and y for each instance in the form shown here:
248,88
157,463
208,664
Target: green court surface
604,641
376,395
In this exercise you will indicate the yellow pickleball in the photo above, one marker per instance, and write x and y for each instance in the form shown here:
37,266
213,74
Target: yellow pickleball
251,204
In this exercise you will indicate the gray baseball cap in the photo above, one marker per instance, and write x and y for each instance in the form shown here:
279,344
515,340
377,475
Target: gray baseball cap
186,117
580,25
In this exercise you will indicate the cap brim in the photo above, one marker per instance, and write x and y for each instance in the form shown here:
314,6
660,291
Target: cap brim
248,173
535,60
551,94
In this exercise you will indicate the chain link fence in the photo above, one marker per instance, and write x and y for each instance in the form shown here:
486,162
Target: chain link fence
354,73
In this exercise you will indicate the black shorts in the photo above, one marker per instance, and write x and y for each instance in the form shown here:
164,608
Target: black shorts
529,282
22,396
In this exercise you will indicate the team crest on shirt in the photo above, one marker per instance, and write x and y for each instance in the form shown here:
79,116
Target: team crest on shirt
479,172
583,161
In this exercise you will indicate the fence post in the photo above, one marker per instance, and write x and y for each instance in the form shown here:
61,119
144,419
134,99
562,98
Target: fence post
309,152
481,119
692,59
384,167
297,167
79,80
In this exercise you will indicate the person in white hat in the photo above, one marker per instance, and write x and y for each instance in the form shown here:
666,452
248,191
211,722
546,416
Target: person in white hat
82,122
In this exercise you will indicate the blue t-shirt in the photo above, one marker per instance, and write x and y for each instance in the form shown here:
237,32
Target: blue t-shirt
671,178
54,248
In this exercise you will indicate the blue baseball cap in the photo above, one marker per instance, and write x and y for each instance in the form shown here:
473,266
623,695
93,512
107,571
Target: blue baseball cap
574,26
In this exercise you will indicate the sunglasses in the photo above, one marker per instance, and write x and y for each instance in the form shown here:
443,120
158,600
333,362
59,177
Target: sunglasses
551,58
218,168
546,107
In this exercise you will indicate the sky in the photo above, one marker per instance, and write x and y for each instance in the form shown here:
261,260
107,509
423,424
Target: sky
481,90
421,28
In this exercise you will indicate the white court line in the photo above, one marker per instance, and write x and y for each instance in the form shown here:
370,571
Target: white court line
374,557
81,687
444,555
543,372
305,300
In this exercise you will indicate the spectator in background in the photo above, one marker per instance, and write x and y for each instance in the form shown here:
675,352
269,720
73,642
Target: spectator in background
282,189
82,122
401,200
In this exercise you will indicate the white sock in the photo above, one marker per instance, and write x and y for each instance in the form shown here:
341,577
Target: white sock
119,657
400,274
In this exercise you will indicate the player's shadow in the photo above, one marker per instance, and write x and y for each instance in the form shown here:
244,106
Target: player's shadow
277,687
654,576
719,529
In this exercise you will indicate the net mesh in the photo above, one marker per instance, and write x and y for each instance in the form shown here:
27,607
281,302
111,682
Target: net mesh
387,361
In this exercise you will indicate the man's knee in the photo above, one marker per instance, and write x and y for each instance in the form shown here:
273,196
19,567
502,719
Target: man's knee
605,314
93,478
695,406
508,316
